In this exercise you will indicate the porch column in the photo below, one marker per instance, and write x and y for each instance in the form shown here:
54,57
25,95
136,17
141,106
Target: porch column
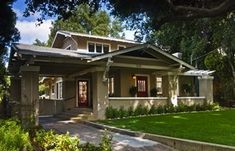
100,95
173,89
69,93
206,88
15,95
29,105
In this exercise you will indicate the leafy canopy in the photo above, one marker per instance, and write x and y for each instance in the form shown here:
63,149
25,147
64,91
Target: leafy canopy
84,21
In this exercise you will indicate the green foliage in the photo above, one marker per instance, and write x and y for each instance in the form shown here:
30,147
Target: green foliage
153,92
122,112
113,113
133,90
43,89
84,20
105,144
130,111
13,137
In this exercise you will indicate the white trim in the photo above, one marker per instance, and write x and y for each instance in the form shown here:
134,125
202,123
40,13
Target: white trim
95,43
192,97
138,98
67,33
66,48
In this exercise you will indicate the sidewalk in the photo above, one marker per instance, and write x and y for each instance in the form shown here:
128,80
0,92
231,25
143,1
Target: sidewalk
93,135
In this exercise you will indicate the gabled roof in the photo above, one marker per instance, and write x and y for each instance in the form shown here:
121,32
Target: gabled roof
69,34
139,47
46,51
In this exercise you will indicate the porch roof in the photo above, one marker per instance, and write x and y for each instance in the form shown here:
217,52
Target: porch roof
142,47
46,51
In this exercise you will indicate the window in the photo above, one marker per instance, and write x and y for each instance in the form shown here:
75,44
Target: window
98,47
159,84
59,90
106,48
91,47
53,89
111,86
120,47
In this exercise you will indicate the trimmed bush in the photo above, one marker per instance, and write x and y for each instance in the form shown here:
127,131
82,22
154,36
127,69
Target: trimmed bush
143,110
13,137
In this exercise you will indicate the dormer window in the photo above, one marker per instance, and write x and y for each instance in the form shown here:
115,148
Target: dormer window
98,47
120,47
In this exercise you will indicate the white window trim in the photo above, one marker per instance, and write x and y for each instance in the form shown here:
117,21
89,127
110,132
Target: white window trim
101,43
120,46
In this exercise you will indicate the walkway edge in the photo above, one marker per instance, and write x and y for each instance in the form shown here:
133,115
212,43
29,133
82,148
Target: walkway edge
177,143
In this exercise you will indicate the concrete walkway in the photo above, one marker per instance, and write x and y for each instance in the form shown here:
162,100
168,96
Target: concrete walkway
93,135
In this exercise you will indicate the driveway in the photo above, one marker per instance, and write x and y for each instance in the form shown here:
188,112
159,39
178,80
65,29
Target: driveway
93,135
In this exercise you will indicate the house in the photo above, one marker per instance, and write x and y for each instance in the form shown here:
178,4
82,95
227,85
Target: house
95,72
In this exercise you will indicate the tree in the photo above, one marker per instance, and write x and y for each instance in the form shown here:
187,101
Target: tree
140,15
38,42
8,34
84,21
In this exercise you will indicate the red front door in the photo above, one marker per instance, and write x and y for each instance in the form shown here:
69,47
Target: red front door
142,86
83,93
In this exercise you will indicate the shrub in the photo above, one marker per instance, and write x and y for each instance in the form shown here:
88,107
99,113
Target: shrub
161,109
153,110
106,144
48,140
130,111
122,112
153,92
139,110
13,137
133,90
109,112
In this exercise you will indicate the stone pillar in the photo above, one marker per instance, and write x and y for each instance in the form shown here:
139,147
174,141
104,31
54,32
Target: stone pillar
206,88
15,95
100,95
173,89
29,105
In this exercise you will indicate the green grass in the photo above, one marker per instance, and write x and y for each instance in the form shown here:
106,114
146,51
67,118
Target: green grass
215,127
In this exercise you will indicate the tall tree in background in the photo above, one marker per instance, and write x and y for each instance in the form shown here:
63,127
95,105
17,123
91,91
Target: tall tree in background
8,34
85,21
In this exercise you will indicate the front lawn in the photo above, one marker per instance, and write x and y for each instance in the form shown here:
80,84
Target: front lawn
215,127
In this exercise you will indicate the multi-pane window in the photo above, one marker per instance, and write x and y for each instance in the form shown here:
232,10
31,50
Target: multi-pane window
91,47
59,90
111,86
159,84
106,48
141,85
98,47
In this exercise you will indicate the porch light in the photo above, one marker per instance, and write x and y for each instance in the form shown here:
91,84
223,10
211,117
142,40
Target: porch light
133,76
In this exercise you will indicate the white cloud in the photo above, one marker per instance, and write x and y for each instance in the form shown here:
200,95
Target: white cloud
29,31
129,34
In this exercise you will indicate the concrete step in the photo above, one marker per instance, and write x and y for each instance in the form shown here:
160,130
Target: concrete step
77,114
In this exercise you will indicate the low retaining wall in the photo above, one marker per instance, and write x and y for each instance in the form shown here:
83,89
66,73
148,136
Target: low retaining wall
50,107
127,102
192,100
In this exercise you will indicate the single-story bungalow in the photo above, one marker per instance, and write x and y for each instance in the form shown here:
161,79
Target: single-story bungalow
87,71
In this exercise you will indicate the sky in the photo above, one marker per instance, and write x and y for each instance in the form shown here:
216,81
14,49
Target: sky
29,30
